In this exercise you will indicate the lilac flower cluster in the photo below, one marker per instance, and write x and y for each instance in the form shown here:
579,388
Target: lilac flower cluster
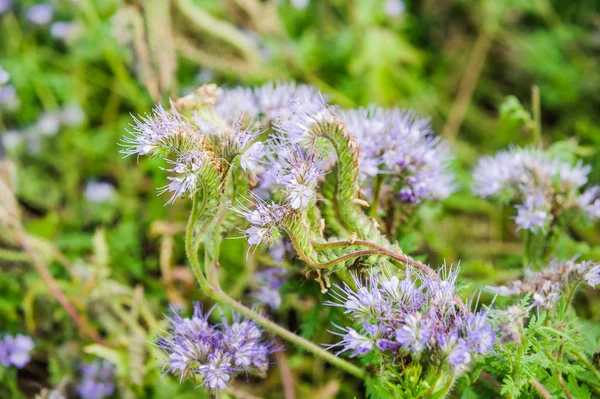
98,380
214,352
14,351
403,149
9,100
268,282
265,220
548,285
541,186
196,141
404,317
270,102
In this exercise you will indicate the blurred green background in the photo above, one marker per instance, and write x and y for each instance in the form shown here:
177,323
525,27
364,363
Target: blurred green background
76,76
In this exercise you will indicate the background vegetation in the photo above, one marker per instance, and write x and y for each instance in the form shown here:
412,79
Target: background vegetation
115,250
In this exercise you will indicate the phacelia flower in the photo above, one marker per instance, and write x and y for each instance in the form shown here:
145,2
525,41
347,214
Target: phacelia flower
40,14
298,172
268,283
547,285
98,380
214,353
404,150
265,220
98,191
416,316
15,351
539,185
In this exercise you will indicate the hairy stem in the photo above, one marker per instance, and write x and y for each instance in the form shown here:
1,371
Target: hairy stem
213,289
379,250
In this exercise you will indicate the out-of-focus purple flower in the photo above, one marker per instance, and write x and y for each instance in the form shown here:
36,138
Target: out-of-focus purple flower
5,5
530,218
394,8
14,351
8,98
214,353
4,76
547,285
98,191
40,14
98,380
48,124
300,4
268,282
510,322
72,115
534,181
589,202
64,30
235,102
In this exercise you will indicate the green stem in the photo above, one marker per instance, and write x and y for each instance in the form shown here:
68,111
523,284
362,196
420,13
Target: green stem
537,115
376,194
587,364
213,290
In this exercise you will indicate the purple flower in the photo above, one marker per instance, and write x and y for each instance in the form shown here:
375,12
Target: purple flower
214,352
252,157
268,283
40,14
414,333
265,219
98,191
298,172
417,316
64,30
394,8
353,341
547,285
535,182
5,5
14,351
217,372
479,334
98,380
404,150
4,76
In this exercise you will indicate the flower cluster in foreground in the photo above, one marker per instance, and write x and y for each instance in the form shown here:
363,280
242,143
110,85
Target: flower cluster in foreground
416,316
542,187
395,147
98,380
14,351
547,286
214,353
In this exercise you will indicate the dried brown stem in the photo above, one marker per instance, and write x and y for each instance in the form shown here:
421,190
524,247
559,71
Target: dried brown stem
54,289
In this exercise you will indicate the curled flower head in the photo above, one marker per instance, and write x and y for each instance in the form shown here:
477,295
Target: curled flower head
215,353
